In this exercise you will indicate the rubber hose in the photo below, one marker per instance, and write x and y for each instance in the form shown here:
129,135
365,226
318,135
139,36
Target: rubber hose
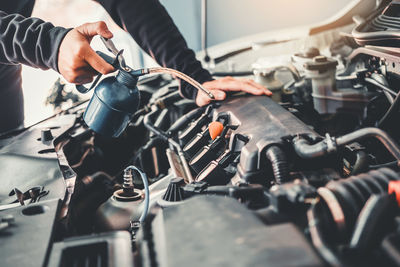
279,164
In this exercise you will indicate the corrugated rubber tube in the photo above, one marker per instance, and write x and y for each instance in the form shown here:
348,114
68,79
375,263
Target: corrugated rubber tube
279,164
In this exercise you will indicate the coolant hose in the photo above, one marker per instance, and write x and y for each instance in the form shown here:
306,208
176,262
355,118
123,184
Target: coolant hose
279,164
307,151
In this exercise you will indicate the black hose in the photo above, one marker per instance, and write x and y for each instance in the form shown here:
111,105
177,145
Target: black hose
389,118
230,54
392,164
381,86
345,198
391,249
380,81
361,163
306,150
161,103
232,73
184,120
279,164
169,99
315,227
377,133
148,123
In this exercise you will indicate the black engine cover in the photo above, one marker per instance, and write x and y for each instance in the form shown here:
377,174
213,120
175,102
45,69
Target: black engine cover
265,122
218,231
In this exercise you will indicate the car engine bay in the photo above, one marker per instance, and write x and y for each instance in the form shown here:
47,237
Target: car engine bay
307,177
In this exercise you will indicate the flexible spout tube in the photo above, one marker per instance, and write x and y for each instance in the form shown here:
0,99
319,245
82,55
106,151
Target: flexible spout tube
182,76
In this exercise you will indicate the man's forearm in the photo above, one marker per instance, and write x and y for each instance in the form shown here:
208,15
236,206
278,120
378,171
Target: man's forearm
153,29
29,41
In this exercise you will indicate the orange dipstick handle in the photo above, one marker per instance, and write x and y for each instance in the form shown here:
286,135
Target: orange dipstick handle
394,187
215,128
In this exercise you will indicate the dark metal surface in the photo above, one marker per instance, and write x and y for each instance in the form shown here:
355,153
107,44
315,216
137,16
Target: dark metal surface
264,122
390,56
110,249
26,161
26,241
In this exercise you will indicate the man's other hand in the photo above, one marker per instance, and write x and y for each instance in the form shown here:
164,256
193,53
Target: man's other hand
220,86
77,61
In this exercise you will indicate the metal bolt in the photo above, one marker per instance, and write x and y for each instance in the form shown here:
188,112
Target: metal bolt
128,181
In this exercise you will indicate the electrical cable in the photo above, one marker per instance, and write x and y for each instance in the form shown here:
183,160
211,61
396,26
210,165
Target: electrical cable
381,86
147,121
381,80
388,117
391,164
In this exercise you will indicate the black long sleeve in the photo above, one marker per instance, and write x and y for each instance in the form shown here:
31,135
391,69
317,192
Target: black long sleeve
153,29
29,41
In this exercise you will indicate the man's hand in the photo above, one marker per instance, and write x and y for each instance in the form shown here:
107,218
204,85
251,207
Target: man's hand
220,86
77,61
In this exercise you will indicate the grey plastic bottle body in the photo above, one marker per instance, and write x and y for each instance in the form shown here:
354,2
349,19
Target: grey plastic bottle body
114,101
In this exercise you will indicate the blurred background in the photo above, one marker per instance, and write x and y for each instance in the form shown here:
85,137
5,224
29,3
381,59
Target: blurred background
227,20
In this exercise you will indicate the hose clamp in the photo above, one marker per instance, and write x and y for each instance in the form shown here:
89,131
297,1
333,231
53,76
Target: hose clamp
330,143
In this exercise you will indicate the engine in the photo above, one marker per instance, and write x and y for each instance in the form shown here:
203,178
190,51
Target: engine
308,177
312,164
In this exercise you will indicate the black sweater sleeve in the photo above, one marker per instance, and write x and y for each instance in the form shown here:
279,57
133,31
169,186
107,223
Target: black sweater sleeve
153,29
29,41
